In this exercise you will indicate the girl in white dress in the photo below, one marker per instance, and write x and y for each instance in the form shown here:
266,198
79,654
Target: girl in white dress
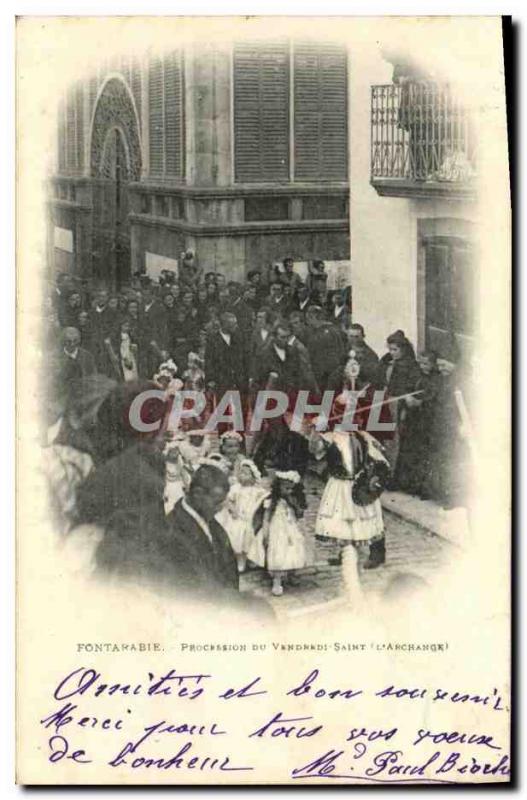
232,449
279,543
237,514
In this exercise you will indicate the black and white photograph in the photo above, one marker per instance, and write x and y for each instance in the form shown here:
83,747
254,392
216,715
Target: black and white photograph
268,313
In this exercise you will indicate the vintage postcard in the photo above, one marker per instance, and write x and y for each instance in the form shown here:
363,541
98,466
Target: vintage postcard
264,367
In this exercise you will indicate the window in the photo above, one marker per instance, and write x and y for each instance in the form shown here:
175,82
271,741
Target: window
266,208
155,118
165,100
451,283
321,131
284,94
261,112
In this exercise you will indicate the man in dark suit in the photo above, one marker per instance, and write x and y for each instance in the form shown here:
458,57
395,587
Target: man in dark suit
302,300
278,302
279,364
74,362
225,357
324,345
340,313
196,543
365,355
155,344
243,313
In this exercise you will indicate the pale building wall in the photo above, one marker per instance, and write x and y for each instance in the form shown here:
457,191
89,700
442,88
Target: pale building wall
387,277
383,262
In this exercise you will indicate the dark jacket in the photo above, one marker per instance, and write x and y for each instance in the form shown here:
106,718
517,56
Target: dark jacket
202,566
226,364
288,372
73,369
326,350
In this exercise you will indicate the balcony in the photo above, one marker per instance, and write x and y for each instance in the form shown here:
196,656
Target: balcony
422,142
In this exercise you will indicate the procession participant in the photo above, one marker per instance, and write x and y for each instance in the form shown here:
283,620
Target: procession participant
73,362
84,326
316,271
279,448
250,298
398,374
70,311
221,281
102,322
414,460
277,300
279,365
236,516
184,451
202,307
194,375
301,300
225,359
279,541
324,345
307,378
175,291
189,269
260,337
183,336
450,440
152,317
123,352
212,294
197,545
240,309
59,297
350,510
232,448
365,355
254,276
340,312
288,276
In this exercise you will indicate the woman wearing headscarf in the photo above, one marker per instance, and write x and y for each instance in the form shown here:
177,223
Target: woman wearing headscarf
415,450
398,375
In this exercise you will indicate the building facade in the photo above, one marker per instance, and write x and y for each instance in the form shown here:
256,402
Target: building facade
238,153
413,207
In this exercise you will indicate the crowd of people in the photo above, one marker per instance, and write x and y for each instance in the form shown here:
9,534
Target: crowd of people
206,508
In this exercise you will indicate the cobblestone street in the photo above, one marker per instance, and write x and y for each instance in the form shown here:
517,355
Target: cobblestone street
409,550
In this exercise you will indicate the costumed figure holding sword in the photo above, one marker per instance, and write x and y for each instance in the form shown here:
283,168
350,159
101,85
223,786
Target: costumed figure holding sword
350,511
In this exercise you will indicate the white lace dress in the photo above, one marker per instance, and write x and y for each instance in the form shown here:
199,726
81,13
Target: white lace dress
279,544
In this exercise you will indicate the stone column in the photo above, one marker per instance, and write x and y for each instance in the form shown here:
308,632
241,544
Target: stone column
208,115
209,155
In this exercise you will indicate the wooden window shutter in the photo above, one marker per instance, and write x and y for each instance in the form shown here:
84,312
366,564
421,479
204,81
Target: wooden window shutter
320,112
261,112
135,85
62,136
71,133
79,113
173,116
155,120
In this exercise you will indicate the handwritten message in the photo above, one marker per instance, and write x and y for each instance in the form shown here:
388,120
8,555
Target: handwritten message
160,722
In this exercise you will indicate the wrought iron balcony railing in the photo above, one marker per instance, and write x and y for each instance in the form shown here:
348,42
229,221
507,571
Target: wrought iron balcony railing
420,133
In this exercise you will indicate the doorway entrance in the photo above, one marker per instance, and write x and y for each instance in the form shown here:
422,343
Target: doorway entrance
115,163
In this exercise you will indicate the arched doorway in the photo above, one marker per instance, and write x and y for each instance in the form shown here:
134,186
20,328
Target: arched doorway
115,161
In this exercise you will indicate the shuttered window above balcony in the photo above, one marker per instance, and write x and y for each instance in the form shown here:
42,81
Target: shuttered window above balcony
165,102
320,112
155,118
173,116
261,112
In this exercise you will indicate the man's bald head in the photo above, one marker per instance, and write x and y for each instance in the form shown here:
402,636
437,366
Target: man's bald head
71,339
